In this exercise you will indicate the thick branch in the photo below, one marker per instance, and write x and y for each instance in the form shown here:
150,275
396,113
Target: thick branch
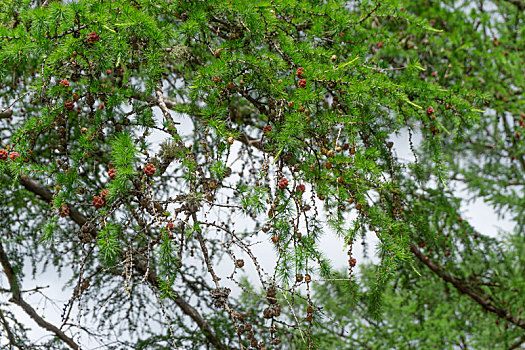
518,3
518,343
17,299
162,105
463,287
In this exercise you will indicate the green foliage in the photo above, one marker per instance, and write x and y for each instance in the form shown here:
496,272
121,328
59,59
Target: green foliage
108,243
123,158
150,146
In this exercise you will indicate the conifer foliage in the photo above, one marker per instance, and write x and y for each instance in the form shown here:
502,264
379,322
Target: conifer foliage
157,150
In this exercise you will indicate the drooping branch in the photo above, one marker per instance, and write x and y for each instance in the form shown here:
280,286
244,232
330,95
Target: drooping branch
45,194
10,335
464,288
518,343
518,3
28,309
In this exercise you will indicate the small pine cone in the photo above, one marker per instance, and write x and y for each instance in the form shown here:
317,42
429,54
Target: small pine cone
149,169
93,37
98,202
271,292
300,188
299,72
283,183
3,154
112,173
239,263
63,211
307,278
14,155
69,105
104,194
64,83
302,83
275,310
430,111
310,309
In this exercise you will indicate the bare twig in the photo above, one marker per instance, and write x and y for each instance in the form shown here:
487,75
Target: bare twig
369,13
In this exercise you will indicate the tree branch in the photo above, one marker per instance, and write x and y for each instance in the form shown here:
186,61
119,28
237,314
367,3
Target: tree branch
10,335
518,343
162,105
463,287
17,299
45,194
518,3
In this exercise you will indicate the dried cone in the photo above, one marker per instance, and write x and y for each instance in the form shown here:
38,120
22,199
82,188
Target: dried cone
307,278
149,169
